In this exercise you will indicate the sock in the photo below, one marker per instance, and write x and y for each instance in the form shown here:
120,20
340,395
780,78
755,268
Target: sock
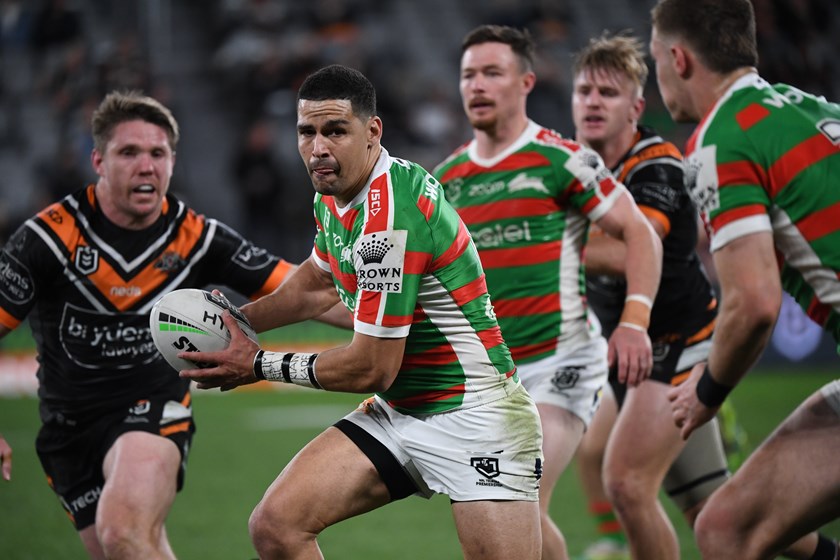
608,525
826,549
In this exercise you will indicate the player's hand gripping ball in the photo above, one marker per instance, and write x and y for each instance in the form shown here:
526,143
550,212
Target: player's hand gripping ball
191,320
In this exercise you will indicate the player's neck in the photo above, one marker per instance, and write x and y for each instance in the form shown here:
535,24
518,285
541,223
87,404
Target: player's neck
491,142
716,86
612,150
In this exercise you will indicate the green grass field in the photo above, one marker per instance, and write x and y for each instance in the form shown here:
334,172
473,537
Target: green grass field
245,438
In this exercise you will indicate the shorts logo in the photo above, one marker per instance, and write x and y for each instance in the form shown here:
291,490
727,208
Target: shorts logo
141,407
566,378
487,467
87,259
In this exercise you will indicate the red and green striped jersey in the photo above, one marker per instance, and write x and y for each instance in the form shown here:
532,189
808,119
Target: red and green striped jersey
767,158
528,211
404,263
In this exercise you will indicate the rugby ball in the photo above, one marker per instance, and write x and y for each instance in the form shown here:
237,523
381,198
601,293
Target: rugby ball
191,320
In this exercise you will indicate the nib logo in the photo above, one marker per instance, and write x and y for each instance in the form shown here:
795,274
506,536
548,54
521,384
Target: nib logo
374,250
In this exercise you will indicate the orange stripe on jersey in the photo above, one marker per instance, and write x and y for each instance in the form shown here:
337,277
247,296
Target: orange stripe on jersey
105,278
8,321
659,217
733,215
175,428
60,221
798,159
515,307
431,396
751,115
459,245
470,291
187,400
655,151
518,208
533,254
276,278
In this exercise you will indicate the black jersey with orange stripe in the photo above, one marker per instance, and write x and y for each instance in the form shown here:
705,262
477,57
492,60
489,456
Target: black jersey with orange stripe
88,286
652,170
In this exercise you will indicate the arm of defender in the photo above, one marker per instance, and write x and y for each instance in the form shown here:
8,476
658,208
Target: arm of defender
629,345
751,299
605,254
308,292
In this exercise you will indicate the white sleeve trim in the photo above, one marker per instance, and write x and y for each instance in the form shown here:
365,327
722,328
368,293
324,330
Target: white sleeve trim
379,331
608,202
322,264
740,228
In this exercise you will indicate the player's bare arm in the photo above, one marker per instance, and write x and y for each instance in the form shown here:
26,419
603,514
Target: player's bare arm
629,346
308,292
367,364
607,255
749,309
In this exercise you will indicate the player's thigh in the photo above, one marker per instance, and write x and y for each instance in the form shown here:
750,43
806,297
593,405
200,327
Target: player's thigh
562,431
791,484
491,530
140,469
644,440
329,480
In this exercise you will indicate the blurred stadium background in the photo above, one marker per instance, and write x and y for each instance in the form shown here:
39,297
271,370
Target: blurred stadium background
229,69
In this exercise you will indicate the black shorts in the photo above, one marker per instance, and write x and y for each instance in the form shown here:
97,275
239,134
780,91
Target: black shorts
72,451
674,354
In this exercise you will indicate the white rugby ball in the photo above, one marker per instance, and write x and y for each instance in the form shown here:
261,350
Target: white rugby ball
191,320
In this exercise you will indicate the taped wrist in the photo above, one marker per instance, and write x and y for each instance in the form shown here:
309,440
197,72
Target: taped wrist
710,392
636,312
287,367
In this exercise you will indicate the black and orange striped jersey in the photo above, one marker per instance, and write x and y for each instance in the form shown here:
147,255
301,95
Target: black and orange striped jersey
88,286
652,170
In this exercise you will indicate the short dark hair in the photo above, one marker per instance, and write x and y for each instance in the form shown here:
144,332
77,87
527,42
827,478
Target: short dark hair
721,32
520,42
620,53
123,106
340,82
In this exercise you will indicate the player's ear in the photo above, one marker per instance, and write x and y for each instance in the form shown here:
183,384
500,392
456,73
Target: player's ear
374,130
682,59
529,80
96,161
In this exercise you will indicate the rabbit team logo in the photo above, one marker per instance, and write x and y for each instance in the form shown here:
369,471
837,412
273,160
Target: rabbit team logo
379,259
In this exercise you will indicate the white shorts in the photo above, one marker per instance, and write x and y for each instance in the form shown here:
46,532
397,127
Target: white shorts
492,451
831,393
571,380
